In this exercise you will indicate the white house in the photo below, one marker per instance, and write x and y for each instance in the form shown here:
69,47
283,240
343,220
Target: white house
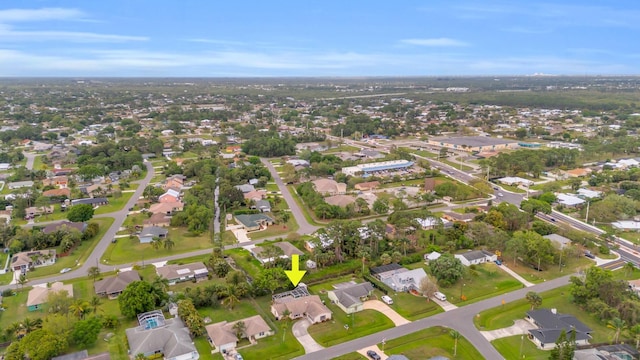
569,200
476,257
432,256
626,225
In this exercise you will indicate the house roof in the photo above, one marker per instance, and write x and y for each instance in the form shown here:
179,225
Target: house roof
166,207
24,258
311,305
252,220
159,218
475,254
328,186
245,188
351,295
90,201
263,204
411,277
569,200
170,192
40,294
177,271
385,268
552,323
255,194
223,332
340,200
117,283
80,226
57,192
153,231
172,339
286,247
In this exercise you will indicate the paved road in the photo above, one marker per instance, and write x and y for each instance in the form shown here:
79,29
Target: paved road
31,157
460,319
100,248
303,225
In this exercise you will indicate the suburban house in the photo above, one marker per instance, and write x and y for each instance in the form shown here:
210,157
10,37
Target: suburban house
222,336
171,196
157,220
166,208
550,324
148,233
569,200
245,188
186,272
431,222
329,187
299,303
157,335
83,355
367,186
340,200
39,295
399,278
255,195
434,255
253,222
350,296
634,285
322,239
95,202
626,225
65,192
68,225
113,286
476,257
32,211
174,182
287,251
27,260
59,181
20,184
263,205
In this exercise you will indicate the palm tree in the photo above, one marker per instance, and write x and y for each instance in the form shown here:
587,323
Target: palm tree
161,283
455,335
168,243
29,325
79,308
156,242
618,325
232,297
22,279
286,320
94,272
95,302
240,329
635,333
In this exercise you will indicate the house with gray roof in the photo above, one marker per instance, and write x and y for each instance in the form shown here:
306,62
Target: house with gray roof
550,324
20,184
80,226
253,222
148,233
263,205
350,297
245,188
157,335
408,280
113,286
186,272
476,257
91,201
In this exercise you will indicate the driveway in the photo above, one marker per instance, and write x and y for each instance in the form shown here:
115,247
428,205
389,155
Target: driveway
300,332
387,311
520,327
303,225
524,282
445,305
375,348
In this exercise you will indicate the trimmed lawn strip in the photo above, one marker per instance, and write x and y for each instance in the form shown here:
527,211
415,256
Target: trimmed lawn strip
552,271
510,347
127,249
350,356
504,315
431,342
274,230
305,210
360,324
115,204
245,261
413,307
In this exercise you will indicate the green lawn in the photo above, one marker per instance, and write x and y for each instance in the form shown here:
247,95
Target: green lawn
276,230
77,257
359,324
127,250
431,342
517,347
486,281
413,307
551,272
246,261
456,165
37,163
350,356
345,148
272,187
560,298
115,204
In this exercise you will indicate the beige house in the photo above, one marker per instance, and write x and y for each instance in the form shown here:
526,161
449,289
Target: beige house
186,272
27,260
39,295
310,307
329,187
166,208
223,336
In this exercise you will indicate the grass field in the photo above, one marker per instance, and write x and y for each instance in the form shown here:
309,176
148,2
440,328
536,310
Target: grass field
487,281
115,204
431,342
551,271
127,250
276,230
510,347
350,356
358,325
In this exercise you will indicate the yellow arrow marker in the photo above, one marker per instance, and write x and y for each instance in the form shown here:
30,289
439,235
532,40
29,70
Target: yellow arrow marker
295,274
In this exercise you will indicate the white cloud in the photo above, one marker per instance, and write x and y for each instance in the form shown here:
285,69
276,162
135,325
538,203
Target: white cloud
435,42
8,34
43,14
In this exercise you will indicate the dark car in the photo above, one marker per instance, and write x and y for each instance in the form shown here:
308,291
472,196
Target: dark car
589,255
374,355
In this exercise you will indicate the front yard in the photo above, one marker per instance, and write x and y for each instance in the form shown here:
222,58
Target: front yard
482,282
431,342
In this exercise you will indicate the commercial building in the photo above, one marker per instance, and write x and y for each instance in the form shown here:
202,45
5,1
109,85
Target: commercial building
474,143
368,169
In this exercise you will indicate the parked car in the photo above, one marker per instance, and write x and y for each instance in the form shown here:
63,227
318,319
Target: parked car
239,357
65,270
500,194
373,355
386,299
498,262
440,296
589,254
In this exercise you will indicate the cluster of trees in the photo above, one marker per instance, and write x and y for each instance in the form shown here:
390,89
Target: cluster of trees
66,238
107,157
141,296
533,249
613,207
598,293
23,132
70,322
191,317
315,201
456,191
12,156
447,269
529,161
358,125
270,144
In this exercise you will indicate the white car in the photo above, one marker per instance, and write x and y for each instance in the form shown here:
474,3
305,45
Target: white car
65,270
386,299
500,194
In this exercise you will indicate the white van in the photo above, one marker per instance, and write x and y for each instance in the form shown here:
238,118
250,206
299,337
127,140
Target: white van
386,299
440,296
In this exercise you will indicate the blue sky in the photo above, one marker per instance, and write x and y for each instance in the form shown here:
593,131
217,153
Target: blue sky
318,38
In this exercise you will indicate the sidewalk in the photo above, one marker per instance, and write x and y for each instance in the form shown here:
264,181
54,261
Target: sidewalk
515,275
